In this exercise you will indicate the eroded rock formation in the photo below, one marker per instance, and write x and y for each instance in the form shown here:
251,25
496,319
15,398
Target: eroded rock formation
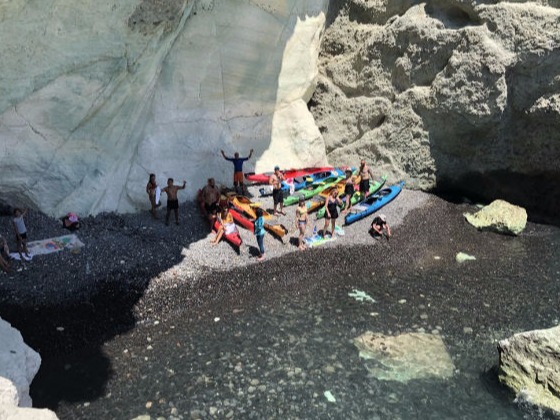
499,216
455,95
530,366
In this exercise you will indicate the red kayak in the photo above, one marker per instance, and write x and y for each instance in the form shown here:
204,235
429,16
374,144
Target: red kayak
288,173
241,220
233,238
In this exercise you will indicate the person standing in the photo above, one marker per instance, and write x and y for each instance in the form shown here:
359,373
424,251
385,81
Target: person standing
21,233
172,200
348,189
211,197
277,195
259,232
331,211
238,170
365,174
152,190
301,221
4,255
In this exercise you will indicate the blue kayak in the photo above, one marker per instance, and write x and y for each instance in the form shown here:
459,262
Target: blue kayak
373,203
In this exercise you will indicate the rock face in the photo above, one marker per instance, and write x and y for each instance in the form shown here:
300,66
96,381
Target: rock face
500,216
455,95
405,357
530,366
18,365
95,96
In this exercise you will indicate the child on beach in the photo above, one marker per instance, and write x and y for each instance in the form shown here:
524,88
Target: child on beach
21,233
301,221
172,201
259,232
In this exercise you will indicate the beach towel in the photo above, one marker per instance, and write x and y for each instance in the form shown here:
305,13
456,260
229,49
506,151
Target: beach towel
47,246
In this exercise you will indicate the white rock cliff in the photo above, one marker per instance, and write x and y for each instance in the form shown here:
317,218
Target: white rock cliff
95,96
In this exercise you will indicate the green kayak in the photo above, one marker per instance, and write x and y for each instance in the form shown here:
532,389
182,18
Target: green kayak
357,197
312,190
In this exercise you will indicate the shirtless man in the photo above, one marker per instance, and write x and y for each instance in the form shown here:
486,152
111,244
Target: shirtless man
172,201
238,170
211,196
278,197
365,174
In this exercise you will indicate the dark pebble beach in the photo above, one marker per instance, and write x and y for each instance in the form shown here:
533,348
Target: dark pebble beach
134,272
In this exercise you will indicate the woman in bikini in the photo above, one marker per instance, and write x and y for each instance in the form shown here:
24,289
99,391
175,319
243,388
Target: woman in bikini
331,211
301,221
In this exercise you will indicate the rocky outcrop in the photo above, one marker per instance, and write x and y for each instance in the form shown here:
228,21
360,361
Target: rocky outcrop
530,366
499,216
405,357
18,365
454,95
95,96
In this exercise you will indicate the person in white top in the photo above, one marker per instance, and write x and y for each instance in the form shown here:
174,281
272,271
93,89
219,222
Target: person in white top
21,233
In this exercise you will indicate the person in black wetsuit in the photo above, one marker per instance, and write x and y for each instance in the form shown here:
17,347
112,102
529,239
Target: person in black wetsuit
331,211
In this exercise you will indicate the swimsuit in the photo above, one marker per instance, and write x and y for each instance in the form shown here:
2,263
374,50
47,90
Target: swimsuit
364,186
300,212
349,188
277,195
172,204
333,209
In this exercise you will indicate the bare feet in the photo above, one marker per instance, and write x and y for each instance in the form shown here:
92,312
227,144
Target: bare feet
260,258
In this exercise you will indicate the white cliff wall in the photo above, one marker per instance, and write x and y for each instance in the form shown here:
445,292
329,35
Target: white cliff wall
95,96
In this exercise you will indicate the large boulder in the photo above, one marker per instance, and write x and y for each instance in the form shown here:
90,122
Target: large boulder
97,95
499,216
456,95
405,357
530,366
18,365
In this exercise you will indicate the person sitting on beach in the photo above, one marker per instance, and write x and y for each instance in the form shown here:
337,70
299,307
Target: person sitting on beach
380,227
301,221
172,201
4,255
277,195
227,225
211,197
21,233
71,222
331,211
348,189
238,170
151,189
365,174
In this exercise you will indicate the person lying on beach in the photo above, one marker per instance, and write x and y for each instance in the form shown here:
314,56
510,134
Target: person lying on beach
172,200
227,225
21,233
380,227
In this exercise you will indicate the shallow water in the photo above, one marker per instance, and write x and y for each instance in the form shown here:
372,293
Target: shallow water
274,353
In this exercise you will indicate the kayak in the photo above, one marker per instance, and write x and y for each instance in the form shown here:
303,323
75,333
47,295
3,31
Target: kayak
290,185
316,239
263,178
238,206
233,237
358,196
311,190
373,203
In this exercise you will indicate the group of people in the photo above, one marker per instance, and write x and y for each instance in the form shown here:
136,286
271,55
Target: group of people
211,196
